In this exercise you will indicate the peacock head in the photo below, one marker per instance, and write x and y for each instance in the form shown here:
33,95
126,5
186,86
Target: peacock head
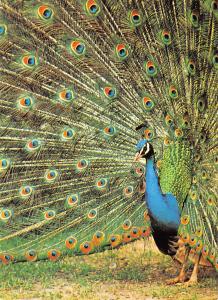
145,150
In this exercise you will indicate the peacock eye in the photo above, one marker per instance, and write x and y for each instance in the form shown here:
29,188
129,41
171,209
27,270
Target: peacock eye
148,103
190,65
86,247
78,48
68,134
194,18
109,92
29,61
151,69
92,214
45,12
173,93
214,5
2,30
53,254
92,8
128,191
72,200
127,225
135,18
70,242
51,175
5,214
4,164
122,51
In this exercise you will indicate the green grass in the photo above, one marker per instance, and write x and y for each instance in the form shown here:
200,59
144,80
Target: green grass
133,272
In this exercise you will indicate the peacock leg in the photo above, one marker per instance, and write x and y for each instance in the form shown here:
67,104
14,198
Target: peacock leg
194,277
181,276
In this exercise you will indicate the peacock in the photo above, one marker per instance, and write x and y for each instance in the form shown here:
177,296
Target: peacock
108,119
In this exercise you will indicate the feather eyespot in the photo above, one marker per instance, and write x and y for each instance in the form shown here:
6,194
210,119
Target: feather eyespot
33,145
135,18
6,258
86,247
66,96
115,240
193,240
5,214
214,6
72,200
158,164
194,18
101,184
127,238
30,61
191,68
201,104
110,92
145,232
122,51
149,134
167,141
173,93
4,165
205,250
78,48
212,254
204,175
49,214
215,60
53,254
51,175
193,195
185,220
45,12
82,165
25,103
140,170
178,133
199,245
92,8
199,232
92,214
70,242
148,103
166,37
151,68
128,191
98,238
168,120
211,200
31,255
110,131
3,30
185,238
194,179
135,232
26,191
68,134
127,225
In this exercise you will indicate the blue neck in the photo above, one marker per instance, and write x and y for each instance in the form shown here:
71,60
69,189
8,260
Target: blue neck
163,208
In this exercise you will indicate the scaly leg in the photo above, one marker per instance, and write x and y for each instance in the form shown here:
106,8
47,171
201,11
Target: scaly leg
181,276
194,277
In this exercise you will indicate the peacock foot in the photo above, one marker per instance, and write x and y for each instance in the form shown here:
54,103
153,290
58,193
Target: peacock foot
179,279
191,282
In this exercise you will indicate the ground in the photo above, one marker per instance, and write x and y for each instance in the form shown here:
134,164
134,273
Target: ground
134,272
